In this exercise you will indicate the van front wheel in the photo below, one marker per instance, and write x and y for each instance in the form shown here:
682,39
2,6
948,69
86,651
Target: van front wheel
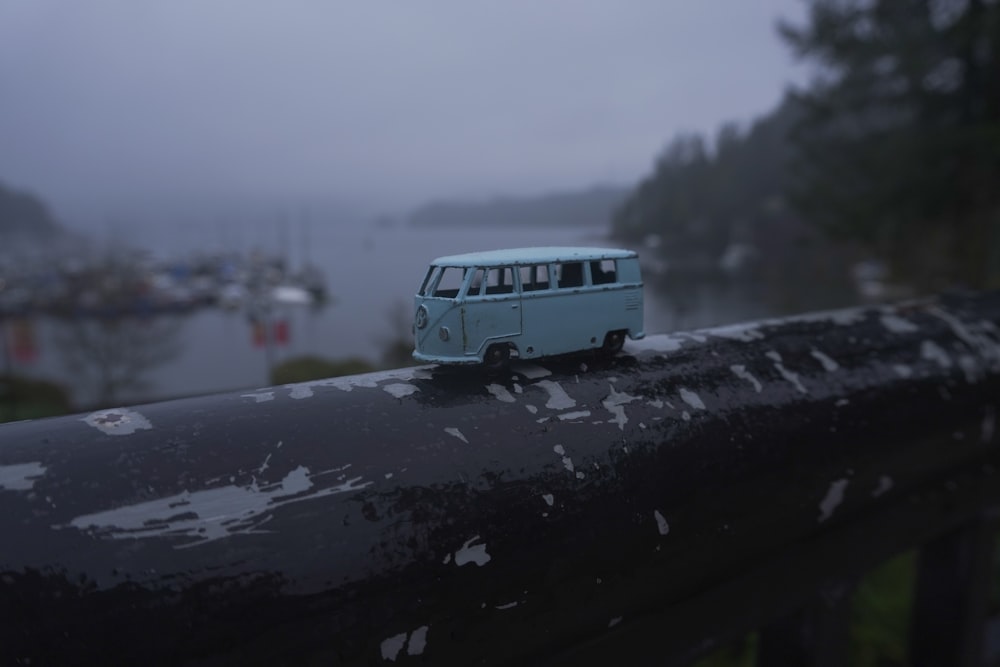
613,343
496,356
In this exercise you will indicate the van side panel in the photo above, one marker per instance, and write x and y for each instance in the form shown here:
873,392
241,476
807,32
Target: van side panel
561,320
487,320
558,321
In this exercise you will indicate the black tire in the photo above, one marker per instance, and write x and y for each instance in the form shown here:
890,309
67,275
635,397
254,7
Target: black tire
496,356
613,343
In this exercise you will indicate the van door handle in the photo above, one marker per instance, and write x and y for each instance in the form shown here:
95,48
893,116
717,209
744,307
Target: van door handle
515,306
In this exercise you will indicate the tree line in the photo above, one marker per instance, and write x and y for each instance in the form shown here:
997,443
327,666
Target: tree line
891,153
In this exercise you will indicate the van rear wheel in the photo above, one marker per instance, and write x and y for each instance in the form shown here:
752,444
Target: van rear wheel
613,343
496,356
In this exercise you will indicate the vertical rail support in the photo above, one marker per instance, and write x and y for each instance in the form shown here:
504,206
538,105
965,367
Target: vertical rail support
815,635
951,600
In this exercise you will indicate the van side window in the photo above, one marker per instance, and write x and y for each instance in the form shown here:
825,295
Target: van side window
450,282
500,281
570,274
534,278
603,272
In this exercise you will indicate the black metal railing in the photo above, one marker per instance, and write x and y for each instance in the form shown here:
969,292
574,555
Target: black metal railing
638,510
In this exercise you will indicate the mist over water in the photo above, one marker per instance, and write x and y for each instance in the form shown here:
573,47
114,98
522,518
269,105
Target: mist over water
372,274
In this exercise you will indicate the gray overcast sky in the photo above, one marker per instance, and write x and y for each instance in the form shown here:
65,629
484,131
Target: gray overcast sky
382,101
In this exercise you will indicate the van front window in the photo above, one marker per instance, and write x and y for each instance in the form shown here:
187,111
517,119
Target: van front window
449,282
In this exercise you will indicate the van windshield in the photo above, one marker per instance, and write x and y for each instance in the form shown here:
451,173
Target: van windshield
445,282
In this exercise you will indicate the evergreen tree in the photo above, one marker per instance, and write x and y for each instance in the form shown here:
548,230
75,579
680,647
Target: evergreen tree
899,145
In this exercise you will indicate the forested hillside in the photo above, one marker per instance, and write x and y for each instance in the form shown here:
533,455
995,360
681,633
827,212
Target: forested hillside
25,216
891,155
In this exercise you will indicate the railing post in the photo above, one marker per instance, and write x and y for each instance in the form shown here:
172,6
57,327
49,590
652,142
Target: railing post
816,635
952,597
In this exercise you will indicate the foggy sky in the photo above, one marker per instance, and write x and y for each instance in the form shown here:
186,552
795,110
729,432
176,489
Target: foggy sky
378,102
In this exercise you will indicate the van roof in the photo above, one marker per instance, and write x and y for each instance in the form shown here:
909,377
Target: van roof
521,256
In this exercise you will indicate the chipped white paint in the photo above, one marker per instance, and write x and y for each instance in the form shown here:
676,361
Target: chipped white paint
541,420
263,466
661,523
447,559
558,398
518,389
118,421
472,553
843,317
988,347
509,605
694,335
20,476
902,370
392,646
686,416
418,641
451,430
566,461
303,390
988,425
841,402
615,403
785,373
743,332
530,371
884,486
658,404
549,499
260,396
692,399
663,343
580,414
500,393
614,621
299,391
897,324
211,514
531,408
388,475
834,496
742,373
579,474
746,332
400,389
829,365
931,351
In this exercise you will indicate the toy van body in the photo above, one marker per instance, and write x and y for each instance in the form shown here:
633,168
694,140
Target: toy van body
485,307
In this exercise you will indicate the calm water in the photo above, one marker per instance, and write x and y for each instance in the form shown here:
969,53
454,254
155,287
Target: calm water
372,272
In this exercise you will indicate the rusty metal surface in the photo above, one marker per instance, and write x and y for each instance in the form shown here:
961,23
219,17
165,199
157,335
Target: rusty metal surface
450,516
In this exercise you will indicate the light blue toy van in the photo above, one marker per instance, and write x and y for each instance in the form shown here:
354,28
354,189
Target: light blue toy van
486,307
